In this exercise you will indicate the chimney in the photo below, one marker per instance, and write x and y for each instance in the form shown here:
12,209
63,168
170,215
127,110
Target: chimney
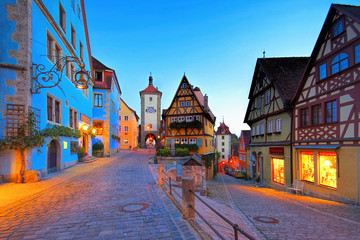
206,106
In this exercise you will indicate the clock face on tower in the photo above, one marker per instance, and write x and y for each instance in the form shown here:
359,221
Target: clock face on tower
150,110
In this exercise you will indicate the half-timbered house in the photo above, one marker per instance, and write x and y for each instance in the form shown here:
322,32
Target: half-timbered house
189,120
326,110
268,114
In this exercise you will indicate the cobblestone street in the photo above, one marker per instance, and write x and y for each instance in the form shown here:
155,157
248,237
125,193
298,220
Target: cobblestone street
299,217
108,199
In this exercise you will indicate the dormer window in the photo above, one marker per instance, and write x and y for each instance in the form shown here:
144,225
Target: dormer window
340,62
338,28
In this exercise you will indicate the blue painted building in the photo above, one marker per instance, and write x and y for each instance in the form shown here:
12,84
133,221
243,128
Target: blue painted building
43,34
106,107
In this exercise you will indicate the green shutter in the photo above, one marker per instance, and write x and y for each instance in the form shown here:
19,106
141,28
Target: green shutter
168,143
199,142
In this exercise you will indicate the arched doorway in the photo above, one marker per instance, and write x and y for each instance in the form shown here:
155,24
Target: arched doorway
150,140
53,158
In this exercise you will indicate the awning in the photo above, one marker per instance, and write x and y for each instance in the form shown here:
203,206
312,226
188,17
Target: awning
318,146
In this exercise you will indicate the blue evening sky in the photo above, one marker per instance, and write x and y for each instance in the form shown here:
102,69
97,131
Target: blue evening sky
216,43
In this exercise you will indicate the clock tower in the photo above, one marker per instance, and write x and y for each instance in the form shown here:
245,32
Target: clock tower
150,115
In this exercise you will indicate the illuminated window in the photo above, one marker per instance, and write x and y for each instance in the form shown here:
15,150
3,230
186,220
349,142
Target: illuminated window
307,166
99,127
126,141
327,169
278,170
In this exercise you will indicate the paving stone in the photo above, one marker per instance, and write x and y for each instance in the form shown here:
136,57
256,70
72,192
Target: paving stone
84,202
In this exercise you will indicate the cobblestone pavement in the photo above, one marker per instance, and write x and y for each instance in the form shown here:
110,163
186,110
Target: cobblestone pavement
299,217
108,199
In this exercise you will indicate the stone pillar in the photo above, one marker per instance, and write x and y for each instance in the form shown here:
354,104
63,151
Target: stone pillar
161,174
188,198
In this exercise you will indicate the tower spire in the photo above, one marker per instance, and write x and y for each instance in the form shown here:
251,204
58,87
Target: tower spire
150,80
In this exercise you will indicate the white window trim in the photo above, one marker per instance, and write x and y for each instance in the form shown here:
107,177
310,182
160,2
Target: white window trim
126,118
279,126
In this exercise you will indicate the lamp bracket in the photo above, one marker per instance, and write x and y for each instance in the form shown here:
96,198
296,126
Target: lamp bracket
48,79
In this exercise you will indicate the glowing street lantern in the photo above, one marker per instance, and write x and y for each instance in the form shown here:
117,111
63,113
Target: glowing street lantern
85,127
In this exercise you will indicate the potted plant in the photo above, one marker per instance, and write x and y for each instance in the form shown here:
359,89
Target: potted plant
81,154
98,149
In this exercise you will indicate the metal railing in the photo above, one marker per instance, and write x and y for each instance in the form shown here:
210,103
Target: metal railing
170,185
234,226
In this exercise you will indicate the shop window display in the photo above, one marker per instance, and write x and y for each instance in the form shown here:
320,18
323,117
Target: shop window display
327,169
307,166
278,170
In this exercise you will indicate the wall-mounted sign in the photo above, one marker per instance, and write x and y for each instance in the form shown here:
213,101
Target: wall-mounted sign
85,119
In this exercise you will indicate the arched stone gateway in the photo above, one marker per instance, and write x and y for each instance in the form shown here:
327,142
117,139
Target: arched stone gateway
53,157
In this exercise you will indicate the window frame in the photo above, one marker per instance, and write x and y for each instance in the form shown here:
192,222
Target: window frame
334,31
278,125
96,74
334,117
62,18
102,100
303,117
268,97
357,54
322,68
73,118
53,109
316,114
73,37
338,62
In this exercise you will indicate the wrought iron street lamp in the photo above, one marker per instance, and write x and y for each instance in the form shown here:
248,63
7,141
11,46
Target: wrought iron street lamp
51,78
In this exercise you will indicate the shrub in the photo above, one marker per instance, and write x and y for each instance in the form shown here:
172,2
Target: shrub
188,146
182,152
208,159
163,152
81,152
99,146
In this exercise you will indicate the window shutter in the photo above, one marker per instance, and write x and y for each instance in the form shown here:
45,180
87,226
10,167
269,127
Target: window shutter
199,142
168,143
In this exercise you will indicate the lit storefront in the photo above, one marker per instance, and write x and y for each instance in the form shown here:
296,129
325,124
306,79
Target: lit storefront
319,167
278,174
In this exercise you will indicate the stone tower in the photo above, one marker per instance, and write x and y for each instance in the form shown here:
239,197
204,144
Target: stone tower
150,115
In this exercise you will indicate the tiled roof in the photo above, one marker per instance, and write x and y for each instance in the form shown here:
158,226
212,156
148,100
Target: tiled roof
150,88
285,73
350,10
247,138
200,97
223,127
98,65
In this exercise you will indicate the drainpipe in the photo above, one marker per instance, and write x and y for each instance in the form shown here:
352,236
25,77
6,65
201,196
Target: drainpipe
291,145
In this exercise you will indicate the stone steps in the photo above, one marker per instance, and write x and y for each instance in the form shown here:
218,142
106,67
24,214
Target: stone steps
89,159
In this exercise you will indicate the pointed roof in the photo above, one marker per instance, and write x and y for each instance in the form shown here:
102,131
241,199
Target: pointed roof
136,116
198,96
223,130
150,88
99,65
284,73
246,135
349,10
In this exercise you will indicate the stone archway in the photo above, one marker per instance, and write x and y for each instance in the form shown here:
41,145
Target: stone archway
53,162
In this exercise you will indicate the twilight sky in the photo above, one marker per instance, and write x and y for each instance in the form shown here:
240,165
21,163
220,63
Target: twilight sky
216,43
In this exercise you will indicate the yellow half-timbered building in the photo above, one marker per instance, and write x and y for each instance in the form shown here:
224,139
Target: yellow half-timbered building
189,120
